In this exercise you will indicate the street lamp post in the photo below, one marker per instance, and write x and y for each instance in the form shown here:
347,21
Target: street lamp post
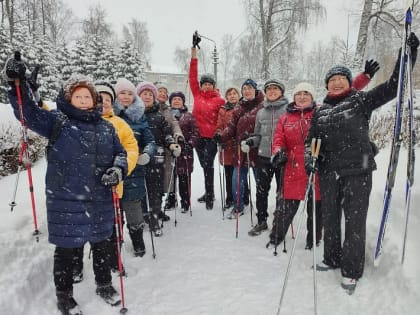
215,55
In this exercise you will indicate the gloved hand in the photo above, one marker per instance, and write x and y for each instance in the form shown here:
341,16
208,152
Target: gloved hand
309,166
175,149
279,158
112,176
371,67
413,41
15,69
250,142
244,146
217,138
179,139
196,40
143,159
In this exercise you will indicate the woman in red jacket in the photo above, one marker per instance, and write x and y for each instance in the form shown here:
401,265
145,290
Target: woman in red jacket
207,102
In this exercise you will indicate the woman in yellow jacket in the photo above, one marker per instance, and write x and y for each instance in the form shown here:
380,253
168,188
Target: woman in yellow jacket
129,143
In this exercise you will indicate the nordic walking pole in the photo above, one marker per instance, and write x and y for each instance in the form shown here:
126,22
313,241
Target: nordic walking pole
222,193
238,191
118,232
249,188
315,153
150,213
24,156
224,182
315,146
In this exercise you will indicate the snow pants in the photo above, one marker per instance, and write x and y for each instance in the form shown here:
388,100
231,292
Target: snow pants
348,195
206,151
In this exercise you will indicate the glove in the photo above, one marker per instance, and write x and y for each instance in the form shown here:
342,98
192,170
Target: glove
15,69
175,149
309,166
279,158
112,176
143,159
250,142
179,139
413,41
196,40
217,138
244,146
371,67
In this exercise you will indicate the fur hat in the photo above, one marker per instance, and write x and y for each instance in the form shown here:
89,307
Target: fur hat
249,82
105,87
304,86
147,86
230,89
340,70
207,78
78,81
274,82
124,85
179,94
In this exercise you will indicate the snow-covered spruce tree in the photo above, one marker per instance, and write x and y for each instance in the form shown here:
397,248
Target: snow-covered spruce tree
109,60
5,53
96,65
129,64
78,60
63,62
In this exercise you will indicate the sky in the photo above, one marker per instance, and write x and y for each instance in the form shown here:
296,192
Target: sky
172,23
201,268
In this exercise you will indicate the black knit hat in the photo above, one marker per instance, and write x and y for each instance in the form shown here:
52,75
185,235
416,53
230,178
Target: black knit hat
274,82
251,83
207,78
178,94
105,87
340,70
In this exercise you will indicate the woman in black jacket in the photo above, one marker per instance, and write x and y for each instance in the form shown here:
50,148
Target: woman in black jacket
346,164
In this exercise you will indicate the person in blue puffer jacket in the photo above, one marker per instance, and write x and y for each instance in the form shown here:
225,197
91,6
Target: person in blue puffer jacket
85,160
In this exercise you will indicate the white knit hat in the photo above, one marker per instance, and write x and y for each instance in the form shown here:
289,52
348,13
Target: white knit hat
124,85
304,86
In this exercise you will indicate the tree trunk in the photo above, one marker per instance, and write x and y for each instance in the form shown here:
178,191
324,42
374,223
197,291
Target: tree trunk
363,35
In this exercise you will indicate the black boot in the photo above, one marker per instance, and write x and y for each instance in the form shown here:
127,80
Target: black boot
67,304
136,235
163,216
171,201
185,206
154,225
209,201
108,294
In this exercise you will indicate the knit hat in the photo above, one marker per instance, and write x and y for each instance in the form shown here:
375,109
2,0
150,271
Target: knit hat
274,82
105,87
147,86
207,78
160,85
340,70
230,89
249,82
124,85
178,94
78,81
304,87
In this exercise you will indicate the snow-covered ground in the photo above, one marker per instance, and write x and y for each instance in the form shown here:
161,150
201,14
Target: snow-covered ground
201,268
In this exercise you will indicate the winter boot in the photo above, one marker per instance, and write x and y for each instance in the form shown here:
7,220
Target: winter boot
209,201
136,235
171,201
228,203
202,199
185,206
66,303
154,225
77,275
232,214
163,216
258,228
349,285
108,294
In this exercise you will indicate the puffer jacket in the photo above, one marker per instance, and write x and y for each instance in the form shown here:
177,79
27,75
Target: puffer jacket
291,130
265,125
79,208
342,124
225,115
206,104
128,141
241,125
134,116
185,162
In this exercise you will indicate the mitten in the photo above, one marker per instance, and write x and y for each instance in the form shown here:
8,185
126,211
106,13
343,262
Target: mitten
143,159
179,139
250,142
279,158
244,146
112,176
14,68
371,67
175,149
